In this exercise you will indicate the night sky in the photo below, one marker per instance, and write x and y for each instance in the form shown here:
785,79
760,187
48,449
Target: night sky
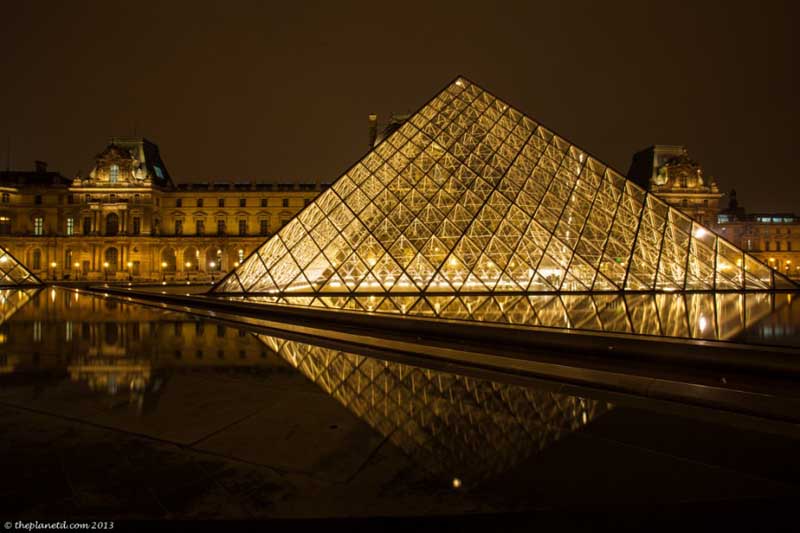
252,90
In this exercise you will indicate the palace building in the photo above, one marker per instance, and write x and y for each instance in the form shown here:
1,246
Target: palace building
127,220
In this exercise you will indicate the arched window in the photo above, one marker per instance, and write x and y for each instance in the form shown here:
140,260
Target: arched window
191,258
37,259
113,174
168,260
112,224
111,259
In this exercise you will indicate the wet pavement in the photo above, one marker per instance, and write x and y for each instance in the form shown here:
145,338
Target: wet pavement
133,412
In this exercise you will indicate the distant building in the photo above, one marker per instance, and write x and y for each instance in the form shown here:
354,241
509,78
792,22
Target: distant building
127,219
668,172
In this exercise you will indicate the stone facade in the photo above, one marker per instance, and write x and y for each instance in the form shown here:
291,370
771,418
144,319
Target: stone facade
127,220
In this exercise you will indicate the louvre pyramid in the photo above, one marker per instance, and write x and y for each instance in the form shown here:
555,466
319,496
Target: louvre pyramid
472,196
446,422
13,273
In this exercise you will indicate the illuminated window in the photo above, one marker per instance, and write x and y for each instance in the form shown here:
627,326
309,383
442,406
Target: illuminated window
5,226
38,226
113,174
241,255
70,226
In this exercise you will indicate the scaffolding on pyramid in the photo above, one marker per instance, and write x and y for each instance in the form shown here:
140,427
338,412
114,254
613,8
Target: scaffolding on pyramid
470,195
13,273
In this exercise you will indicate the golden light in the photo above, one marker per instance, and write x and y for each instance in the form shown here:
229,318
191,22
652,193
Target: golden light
188,264
212,264
3,259
105,264
53,264
456,483
163,264
76,264
130,264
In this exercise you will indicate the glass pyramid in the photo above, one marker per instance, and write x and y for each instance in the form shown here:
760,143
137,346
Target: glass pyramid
472,196
13,273
447,423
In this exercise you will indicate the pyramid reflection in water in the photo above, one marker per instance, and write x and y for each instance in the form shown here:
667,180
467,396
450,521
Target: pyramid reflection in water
472,196
447,423
13,273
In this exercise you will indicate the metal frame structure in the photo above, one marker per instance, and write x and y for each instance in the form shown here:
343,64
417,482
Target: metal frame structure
13,273
471,196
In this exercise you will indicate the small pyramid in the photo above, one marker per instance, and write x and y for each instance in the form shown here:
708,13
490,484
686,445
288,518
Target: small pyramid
13,273
472,196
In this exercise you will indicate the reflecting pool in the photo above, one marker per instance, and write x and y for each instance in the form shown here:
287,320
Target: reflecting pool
150,412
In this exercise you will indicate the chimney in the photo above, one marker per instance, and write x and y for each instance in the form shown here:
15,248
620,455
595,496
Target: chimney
373,130
41,166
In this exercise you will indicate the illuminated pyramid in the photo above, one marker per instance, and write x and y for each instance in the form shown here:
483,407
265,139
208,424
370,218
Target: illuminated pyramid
12,273
472,196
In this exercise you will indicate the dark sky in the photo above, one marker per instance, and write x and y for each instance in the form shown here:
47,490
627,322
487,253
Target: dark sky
244,90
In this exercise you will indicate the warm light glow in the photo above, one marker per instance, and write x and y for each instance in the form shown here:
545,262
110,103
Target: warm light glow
53,264
702,323
76,264
163,264
105,264
212,264
3,259
130,264
456,483
188,264
700,233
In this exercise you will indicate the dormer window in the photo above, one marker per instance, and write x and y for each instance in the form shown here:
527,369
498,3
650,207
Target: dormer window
113,174
159,172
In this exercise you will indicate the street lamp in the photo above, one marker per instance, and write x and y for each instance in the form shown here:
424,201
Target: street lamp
163,271
211,266
130,272
188,265
53,266
105,269
77,271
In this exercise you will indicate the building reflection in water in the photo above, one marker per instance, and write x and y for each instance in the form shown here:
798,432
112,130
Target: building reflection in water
114,346
701,315
452,425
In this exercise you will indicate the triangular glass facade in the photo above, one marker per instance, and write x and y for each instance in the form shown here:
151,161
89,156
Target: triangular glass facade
472,196
13,273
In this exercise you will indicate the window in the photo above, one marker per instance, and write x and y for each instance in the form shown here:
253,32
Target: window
777,246
112,197
6,198
159,172
112,224
136,198
67,258
285,202
263,202
199,202
241,255
221,202
113,174
87,225
37,199
766,246
5,226
199,227
788,246
38,226
178,202
137,225
749,244
220,227
264,227
242,202
179,227
70,226
242,227
37,259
